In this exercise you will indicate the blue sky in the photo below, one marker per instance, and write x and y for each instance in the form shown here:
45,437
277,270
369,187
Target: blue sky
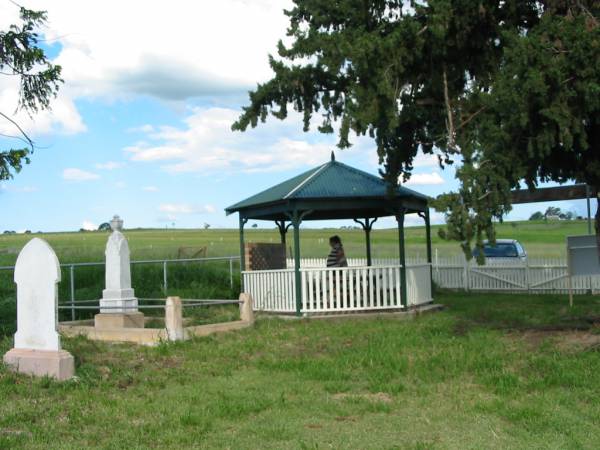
141,127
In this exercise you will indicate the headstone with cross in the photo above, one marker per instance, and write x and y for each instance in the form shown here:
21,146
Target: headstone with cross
118,306
37,350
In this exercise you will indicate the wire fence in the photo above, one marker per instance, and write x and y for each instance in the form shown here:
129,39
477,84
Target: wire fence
186,303
82,282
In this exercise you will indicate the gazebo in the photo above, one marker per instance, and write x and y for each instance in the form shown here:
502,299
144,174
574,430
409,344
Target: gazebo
335,191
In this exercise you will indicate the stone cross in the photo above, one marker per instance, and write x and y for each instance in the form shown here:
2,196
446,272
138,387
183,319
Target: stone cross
37,348
118,297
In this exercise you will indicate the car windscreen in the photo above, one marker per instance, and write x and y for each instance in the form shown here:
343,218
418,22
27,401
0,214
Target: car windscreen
500,251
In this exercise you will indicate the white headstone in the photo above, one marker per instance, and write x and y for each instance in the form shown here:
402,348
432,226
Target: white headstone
37,274
118,297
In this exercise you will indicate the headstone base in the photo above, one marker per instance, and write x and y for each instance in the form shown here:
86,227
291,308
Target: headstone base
56,364
119,320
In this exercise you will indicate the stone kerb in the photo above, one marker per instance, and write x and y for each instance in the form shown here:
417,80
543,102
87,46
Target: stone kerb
37,350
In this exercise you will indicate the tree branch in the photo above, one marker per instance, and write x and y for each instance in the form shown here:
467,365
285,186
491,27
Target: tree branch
450,119
25,136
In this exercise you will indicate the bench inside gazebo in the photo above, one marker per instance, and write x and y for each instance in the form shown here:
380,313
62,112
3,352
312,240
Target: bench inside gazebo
336,191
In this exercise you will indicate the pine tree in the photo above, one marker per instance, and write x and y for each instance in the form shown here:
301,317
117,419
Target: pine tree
507,88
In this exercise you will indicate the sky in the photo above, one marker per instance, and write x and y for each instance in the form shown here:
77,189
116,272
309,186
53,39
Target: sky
142,124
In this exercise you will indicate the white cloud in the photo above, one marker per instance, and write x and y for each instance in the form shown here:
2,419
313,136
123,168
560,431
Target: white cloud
74,174
23,189
206,144
435,218
62,118
150,189
109,165
120,185
179,50
89,226
425,160
421,179
142,129
185,208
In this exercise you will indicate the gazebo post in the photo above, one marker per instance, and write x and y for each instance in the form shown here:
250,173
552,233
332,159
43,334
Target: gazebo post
367,226
425,216
296,220
243,221
401,249
428,231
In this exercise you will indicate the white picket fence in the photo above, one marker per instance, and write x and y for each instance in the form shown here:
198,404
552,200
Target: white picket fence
326,290
536,275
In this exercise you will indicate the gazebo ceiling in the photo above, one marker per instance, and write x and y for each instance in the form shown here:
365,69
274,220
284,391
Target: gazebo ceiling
331,191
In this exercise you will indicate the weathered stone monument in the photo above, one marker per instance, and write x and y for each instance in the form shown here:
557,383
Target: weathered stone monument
37,349
118,306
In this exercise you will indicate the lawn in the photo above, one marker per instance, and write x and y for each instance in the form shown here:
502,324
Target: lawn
490,371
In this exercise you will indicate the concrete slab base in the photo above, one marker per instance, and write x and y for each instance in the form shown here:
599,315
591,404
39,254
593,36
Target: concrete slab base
110,321
146,336
56,364
400,314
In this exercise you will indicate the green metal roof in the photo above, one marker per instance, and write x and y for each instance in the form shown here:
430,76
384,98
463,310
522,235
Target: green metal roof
330,181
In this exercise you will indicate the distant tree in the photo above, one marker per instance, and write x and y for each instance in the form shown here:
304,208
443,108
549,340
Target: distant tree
552,211
20,56
206,226
254,225
27,231
537,216
566,215
105,226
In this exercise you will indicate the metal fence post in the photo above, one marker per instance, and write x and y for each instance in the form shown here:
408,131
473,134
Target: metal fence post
165,276
72,282
231,273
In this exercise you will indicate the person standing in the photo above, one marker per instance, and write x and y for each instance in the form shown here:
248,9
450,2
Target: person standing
336,257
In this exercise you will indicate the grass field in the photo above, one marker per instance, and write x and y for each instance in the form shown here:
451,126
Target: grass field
539,238
491,371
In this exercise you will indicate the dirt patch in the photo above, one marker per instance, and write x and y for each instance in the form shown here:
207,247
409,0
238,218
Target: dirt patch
346,419
567,341
377,397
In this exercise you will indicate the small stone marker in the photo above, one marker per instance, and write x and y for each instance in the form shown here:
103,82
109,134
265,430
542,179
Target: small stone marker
118,306
37,349
246,308
174,319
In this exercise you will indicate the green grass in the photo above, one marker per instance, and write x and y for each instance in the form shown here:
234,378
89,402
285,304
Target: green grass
540,239
491,371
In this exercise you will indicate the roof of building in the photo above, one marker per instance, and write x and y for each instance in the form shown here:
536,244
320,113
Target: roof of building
354,193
